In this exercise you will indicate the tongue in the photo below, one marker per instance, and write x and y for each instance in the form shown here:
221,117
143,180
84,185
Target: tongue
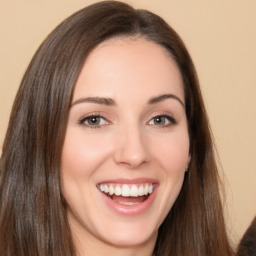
127,200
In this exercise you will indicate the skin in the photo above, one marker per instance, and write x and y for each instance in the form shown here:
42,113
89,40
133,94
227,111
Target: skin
127,142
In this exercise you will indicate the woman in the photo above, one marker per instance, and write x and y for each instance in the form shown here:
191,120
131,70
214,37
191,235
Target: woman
108,149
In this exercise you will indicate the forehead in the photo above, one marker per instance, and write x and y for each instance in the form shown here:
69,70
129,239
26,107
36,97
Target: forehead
135,65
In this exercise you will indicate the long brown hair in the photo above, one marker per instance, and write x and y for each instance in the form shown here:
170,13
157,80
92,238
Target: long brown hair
33,219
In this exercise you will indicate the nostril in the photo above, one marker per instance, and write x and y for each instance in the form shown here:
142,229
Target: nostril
131,157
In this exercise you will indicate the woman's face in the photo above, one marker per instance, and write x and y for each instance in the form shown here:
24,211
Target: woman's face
126,147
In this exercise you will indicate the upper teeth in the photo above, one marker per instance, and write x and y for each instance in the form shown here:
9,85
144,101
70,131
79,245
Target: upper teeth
126,190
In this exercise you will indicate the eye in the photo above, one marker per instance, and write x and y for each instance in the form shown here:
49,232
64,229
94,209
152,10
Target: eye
93,121
162,120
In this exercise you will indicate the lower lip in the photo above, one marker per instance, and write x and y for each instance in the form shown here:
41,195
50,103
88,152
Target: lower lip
130,210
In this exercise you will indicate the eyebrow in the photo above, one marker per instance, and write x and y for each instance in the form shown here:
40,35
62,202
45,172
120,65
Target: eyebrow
111,102
97,100
163,97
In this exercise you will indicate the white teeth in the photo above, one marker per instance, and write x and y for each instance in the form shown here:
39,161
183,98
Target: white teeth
106,189
128,203
102,187
141,191
118,191
134,191
150,189
126,190
146,189
111,190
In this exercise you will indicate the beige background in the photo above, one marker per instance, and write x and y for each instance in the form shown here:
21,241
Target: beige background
221,38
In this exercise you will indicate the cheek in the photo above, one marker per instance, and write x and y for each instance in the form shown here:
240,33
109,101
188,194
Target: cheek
172,159
81,157
82,154
173,153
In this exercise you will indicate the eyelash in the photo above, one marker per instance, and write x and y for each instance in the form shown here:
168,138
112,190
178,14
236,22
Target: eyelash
171,121
90,117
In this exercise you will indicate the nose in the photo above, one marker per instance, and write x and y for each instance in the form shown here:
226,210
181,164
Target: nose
131,148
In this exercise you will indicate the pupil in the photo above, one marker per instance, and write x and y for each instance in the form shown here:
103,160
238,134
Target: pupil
94,120
159,120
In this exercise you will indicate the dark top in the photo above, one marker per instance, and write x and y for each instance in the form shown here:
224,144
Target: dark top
247,246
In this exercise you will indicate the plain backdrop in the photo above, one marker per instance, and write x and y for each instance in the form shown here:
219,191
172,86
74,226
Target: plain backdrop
221,38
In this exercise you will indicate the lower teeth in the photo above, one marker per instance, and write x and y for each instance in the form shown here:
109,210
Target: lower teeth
126,203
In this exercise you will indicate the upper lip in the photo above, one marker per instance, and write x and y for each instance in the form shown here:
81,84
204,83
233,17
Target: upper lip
129,181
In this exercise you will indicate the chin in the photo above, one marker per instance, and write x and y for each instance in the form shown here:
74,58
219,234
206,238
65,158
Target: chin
130,235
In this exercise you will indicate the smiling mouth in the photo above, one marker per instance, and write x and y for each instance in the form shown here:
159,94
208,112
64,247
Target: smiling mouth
127,194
